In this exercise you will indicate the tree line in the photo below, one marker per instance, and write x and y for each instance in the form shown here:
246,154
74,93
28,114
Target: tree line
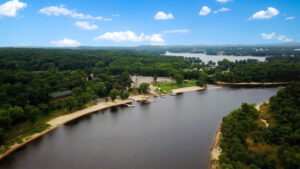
277,69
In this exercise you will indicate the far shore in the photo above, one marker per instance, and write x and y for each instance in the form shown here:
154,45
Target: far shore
252,83
58,121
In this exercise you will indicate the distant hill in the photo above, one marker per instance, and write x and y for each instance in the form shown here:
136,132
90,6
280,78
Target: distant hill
278,49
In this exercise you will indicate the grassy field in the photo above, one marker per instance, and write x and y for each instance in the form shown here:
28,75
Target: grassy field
168,86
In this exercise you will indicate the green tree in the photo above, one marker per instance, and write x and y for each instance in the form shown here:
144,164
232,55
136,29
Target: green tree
202,79
17,114
124,94
125,80
179,79
31,112
155,79
99,64
100,89
113,94
77,91
43,108
1,136
5,119
144,88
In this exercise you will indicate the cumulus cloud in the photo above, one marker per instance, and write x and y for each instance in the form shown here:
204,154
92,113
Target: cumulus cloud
86,25
62,11
281,37
66,43
204,11
10,8
223,1
163,16
268,36
288,40
222,10
290,18
274,36
267,14
177,31
129,36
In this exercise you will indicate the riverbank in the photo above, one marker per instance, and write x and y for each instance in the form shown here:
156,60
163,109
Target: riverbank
252,83
215,150
56,122
60,120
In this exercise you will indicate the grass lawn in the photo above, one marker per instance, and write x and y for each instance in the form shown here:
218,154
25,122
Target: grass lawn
168,86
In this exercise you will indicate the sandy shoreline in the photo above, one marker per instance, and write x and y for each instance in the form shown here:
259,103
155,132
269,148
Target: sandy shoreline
215,150
187,89
58,121
253,83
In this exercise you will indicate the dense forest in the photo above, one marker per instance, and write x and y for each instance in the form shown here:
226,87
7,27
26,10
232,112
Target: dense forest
275,69
246,143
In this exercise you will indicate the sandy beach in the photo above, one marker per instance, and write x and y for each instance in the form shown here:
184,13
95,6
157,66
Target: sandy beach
253,83
215,150
187,89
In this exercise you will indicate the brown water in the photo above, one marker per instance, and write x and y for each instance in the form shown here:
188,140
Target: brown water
175,132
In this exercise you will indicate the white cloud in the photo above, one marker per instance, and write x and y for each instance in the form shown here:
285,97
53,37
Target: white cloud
60,10
129,36
273,36
177,31
204,11
163,16
223,1
290,18
116,15
10,8
281,37
267,14
222,10
66,43
268,36
288,40
86,25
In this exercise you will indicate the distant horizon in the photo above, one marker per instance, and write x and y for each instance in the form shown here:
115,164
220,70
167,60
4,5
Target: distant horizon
134,46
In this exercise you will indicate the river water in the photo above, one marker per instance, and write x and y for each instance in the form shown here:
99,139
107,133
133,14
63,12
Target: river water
175,132
215,58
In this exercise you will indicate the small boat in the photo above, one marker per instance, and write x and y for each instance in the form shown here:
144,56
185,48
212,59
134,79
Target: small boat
129,105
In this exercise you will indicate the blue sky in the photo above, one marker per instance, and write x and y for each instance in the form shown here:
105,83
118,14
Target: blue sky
140,22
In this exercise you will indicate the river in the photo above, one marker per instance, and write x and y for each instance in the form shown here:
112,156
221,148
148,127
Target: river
175,132
215,58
